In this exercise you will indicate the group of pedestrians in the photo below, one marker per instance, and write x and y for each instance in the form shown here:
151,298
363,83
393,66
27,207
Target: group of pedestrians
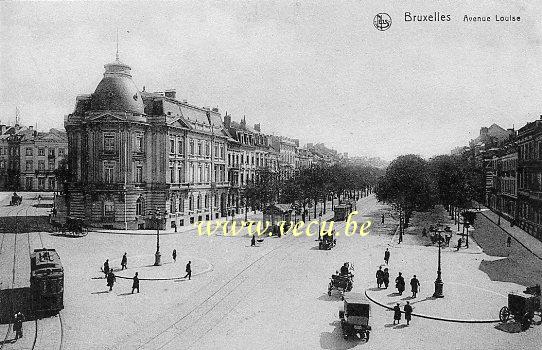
111,278
383,278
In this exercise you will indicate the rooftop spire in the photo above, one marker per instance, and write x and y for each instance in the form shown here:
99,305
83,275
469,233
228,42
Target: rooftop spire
117,56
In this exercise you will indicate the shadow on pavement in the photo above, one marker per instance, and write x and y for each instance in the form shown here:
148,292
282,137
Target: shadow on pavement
334,340
426,299
507,270
509,327
102,292
325,297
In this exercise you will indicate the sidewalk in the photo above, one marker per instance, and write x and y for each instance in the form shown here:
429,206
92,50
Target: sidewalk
533,245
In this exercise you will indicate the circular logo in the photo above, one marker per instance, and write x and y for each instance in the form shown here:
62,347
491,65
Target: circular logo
382,21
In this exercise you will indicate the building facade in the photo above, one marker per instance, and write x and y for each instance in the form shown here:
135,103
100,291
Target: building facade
28,158
529,168
142,160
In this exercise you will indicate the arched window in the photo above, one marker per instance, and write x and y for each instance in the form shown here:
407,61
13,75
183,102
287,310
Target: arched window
140,206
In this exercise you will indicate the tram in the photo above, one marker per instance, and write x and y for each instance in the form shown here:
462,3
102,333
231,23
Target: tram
46,281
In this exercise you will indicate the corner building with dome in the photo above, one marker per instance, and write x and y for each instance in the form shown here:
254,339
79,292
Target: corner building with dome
141,160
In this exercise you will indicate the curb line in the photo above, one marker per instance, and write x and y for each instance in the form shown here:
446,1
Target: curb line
433,317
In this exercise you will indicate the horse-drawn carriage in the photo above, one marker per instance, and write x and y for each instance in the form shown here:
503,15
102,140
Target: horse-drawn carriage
327,242
342,282
16,199
522,306
73,226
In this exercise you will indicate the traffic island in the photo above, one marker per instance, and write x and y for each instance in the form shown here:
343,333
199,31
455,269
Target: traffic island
461,303
167,271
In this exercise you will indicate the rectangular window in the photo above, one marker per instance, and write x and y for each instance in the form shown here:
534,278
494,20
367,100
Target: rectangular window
191,147
28,151
171,174
51,165
51,183
200,149
41,151
180,174
172,146
41,165
109,143
109,209
29,183
109,171
207,149
180,148
138,147
139,174
216,151
51,152
61,152
41,183
29,165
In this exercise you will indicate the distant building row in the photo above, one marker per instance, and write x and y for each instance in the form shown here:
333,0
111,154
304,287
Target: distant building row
512,163
28,158
142,160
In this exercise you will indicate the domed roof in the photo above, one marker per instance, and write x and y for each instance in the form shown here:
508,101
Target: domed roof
117,91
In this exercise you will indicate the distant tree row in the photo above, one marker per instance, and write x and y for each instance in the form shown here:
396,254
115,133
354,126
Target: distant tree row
414,184
312,185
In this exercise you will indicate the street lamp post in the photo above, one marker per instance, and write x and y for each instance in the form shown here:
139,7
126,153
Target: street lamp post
157,255
439,285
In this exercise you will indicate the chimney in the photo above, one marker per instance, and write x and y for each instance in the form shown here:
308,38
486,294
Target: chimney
227,120
171,93
257,127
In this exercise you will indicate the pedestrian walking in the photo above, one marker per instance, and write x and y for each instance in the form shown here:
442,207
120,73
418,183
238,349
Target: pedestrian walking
174,254
18,320
509,241
379,277
415,285
387,256
135,284
253,241
188,270
386,278
106,267
382,219
408,312
396,314
458,244
448,237
400,283
124,262
111,279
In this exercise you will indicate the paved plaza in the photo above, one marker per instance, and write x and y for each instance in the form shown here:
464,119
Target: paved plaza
274,295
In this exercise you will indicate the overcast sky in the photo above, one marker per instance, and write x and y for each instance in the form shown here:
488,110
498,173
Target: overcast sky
320,72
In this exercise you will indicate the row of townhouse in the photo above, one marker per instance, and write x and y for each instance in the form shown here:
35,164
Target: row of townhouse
144,160
512,163
28,158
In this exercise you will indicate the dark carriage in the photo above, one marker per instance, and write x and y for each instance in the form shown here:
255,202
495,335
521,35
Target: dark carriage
16,199
76,226
342,282
341,211
355,316
522,307
46,281
327,242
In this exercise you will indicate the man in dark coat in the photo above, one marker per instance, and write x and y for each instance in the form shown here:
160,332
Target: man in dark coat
386,278
124,262
106,267
382,219
458,244
135,284
111,279
408,312
509,241
253,241
174,255
379,277
415,285
188,270
387,256
18,325
400,283
396,313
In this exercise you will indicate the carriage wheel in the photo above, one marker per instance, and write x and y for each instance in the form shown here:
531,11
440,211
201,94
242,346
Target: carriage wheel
504,314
